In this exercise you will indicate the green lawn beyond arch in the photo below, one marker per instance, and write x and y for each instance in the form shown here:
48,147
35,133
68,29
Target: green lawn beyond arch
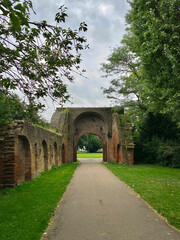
89,155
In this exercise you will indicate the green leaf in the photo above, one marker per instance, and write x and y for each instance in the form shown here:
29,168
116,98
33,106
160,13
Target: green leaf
20,8
22,18
15,21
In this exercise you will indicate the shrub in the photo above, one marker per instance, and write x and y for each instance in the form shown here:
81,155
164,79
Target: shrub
157,141
158,151
169,154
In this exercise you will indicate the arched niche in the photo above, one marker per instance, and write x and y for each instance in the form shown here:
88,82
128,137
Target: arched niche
24,159
55,154
36,156
45,155
63,153
118,153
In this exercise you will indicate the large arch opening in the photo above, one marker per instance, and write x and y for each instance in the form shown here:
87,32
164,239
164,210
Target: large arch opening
89,146
90,123
24,158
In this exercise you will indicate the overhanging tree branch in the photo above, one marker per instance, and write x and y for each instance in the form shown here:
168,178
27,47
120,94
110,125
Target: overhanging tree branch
36,59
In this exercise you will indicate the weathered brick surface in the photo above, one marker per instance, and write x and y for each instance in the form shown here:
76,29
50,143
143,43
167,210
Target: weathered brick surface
22,153
7,163
122,142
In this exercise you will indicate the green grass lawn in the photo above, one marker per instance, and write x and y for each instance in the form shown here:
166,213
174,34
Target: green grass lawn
89,155
159,186
26,209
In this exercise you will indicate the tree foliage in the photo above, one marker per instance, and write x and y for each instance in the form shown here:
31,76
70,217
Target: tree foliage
91,142
146,65
155,25
127,84
36,57
13,108
157,141
145,77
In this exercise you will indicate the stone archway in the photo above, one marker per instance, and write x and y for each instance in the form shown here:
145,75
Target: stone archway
110,127
90,122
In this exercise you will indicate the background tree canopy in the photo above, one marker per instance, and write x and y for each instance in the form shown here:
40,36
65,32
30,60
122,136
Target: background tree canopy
36,57
13,108
91,142
155,27
146,67
144,73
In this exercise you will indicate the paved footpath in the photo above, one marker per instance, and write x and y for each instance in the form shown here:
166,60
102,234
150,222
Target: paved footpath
98,206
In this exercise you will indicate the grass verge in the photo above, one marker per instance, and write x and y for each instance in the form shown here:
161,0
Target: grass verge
26,209
89,155
159,186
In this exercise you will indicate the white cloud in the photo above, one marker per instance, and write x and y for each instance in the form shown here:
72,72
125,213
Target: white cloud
106,9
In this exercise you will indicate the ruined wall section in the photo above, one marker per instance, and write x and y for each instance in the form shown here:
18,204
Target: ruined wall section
60,122
116,142
7,161
26,151
36,135
59,118
123,146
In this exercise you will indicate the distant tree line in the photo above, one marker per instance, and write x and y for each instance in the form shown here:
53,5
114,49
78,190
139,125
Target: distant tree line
90,142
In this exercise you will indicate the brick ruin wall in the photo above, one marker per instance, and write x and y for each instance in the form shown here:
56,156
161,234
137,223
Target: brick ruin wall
122,141
26,151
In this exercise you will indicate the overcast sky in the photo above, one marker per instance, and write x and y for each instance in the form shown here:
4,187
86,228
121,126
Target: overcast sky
106,26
